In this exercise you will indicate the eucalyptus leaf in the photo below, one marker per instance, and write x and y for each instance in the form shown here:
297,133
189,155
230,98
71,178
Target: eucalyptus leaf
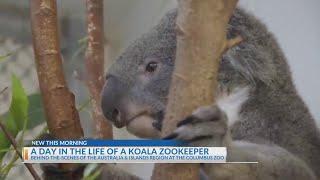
36,114
17,117
4,57
19,104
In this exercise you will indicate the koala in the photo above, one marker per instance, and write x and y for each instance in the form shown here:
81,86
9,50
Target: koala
258,116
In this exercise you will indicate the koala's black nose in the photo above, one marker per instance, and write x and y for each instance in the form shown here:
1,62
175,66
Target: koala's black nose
111,95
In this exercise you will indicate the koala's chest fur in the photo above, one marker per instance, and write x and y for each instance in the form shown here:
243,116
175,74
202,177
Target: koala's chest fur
232,102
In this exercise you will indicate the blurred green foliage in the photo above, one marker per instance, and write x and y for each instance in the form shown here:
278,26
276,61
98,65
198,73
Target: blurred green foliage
22,108
17,117
4,57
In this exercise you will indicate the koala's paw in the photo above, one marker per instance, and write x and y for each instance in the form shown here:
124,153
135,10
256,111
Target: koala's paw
54,171
207,126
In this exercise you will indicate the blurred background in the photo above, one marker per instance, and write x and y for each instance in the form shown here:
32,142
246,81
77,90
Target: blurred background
294,23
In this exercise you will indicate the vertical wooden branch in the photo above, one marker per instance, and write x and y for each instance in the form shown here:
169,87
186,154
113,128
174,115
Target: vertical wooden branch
94,61
201,41
59,103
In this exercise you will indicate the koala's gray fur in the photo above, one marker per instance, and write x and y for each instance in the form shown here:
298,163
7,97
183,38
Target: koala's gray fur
275,127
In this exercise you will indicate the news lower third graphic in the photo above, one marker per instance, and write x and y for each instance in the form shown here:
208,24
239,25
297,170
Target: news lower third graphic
120,151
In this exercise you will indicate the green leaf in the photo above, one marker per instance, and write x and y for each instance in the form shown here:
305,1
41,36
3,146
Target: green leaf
6,150
4,144
36,115
4,57
83,40
36,111
17,118
10,127
19,104
94,175
92,172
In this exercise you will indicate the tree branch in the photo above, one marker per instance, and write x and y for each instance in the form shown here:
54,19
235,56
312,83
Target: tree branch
3,90
15,146
59,103
94,61
201,41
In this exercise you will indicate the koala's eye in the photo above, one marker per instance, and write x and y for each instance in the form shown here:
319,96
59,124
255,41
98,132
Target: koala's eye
151,67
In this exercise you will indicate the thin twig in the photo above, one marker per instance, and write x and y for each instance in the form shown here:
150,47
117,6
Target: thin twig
15,146
3,90
84,105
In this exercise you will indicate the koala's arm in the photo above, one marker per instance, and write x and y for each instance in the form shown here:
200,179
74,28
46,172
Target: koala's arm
207,126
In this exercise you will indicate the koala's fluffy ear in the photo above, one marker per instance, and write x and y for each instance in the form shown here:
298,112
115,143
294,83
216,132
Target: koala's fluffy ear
257,58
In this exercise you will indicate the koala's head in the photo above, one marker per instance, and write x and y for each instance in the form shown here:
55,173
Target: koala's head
137,84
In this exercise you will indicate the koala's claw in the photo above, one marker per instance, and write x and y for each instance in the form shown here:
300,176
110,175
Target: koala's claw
207,123
187,120
170,136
